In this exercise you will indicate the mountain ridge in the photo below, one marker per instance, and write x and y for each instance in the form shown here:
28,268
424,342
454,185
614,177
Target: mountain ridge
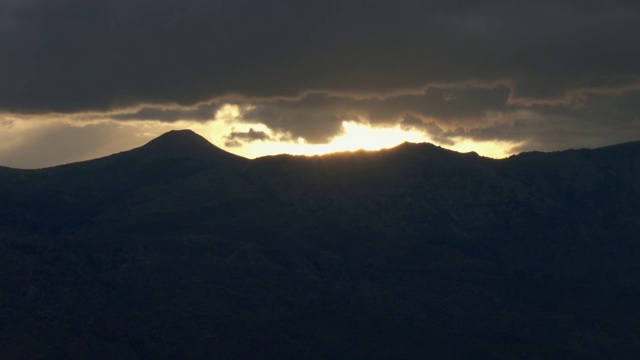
188,144
404,252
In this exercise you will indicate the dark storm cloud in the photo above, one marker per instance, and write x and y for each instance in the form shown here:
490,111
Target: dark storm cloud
532,71
236,138
436,133
478,111
69,55
199,113
317,117
446,104
314,118
598,119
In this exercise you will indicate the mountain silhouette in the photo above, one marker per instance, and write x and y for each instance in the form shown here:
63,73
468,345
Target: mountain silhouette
182,144
178,249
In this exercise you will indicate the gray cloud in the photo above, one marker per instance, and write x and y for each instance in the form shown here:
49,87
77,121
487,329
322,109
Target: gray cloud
436,133
69,55
204,112
543,73
310,118
236,138
592,116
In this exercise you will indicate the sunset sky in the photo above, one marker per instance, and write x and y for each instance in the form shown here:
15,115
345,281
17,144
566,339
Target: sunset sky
83,79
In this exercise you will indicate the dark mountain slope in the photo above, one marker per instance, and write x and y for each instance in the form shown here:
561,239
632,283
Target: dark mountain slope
178,250
184,144
588,201
51,199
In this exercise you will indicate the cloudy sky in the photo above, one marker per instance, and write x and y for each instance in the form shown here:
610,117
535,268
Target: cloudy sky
80,79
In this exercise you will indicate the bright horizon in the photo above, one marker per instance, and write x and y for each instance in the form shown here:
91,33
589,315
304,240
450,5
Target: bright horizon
29,145
355,137
309,78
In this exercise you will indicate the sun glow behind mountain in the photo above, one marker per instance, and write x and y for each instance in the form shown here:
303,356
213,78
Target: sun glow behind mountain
78,141
355,136
28,144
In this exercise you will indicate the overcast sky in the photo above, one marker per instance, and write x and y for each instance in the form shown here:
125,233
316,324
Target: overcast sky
81,78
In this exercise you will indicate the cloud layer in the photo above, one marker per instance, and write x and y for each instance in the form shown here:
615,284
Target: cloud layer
547,74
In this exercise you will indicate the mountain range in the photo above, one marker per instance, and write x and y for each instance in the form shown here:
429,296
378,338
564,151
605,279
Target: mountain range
178,249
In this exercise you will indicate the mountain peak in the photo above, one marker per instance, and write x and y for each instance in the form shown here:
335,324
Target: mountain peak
183,143
421,150
178,138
